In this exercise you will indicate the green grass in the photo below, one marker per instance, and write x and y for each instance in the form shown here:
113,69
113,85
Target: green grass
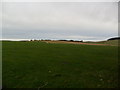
45,65
110,42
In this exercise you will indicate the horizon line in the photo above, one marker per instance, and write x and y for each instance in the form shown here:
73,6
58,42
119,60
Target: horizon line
47,39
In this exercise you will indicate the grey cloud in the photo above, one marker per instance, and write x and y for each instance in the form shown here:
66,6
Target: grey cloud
66,20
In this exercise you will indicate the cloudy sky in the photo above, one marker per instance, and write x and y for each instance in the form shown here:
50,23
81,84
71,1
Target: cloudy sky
60,20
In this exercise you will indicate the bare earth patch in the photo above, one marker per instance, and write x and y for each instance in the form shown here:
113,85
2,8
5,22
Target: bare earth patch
70,42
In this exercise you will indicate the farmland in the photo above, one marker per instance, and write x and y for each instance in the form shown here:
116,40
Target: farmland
55,65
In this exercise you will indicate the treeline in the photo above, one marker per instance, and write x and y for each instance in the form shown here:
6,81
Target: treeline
57,40
116,38
71,40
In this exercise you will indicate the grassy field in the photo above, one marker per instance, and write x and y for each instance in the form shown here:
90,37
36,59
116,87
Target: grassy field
110,42
107,43
49,65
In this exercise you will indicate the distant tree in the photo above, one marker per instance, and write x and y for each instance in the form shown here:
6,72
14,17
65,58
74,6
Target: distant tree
116,38
81,41
71,40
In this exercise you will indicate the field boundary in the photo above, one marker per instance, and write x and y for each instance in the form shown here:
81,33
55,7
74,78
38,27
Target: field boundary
82,43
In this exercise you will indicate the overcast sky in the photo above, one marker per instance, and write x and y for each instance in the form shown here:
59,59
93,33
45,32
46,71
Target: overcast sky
60,20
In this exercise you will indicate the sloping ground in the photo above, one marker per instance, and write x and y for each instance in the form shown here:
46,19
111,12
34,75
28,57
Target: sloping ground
106,43
42,65
110,42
